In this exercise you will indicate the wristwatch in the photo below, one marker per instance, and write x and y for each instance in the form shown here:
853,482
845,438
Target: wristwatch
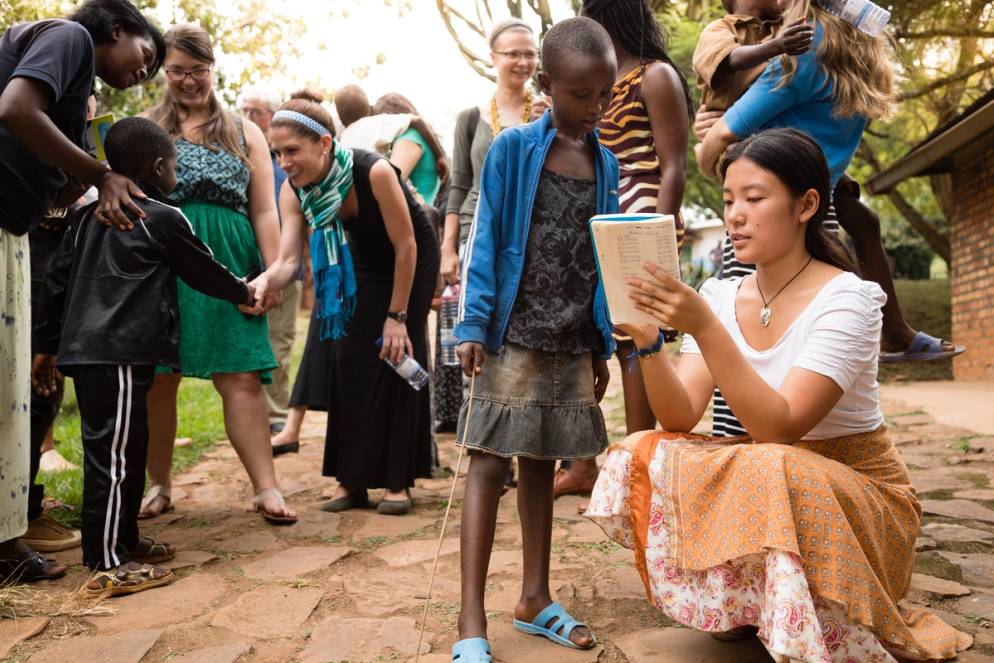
399,316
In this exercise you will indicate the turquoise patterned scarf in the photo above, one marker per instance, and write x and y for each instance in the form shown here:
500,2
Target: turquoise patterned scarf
334,276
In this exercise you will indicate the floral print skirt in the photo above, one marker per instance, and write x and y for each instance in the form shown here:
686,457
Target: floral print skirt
812,543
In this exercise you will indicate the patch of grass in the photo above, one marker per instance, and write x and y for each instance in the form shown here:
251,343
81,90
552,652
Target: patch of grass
943,494
935,565
979,620
978,480
926,307
199,417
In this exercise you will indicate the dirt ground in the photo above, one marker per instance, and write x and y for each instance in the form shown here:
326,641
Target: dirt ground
351,586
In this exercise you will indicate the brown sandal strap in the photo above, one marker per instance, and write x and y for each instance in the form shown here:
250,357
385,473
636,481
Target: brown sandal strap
126,576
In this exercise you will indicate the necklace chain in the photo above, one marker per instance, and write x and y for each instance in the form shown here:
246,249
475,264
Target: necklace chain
495,125
766,313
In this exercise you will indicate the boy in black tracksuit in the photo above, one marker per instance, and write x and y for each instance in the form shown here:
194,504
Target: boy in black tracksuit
110,312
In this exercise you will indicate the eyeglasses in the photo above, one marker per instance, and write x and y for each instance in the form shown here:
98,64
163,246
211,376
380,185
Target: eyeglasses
527,56
179,75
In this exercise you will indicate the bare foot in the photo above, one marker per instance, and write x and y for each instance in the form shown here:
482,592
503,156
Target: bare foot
274,505
183,442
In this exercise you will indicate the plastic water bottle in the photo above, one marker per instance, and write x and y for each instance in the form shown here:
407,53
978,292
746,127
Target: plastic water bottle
862,14
408,368
448,314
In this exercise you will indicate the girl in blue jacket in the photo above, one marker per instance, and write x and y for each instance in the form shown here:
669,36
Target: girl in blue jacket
533,326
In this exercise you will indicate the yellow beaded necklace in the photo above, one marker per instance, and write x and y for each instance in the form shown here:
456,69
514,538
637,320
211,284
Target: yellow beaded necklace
495,126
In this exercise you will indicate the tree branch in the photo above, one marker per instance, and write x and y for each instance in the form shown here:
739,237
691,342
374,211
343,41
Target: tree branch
937,241
949,80
948,32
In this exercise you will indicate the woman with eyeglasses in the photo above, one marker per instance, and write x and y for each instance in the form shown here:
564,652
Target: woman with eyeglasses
225,189
514,55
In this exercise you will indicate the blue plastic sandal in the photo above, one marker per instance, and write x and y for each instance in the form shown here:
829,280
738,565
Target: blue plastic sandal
472,650
923,348
560,629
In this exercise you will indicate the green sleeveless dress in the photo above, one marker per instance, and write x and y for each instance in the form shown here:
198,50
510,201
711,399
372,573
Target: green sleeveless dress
214,336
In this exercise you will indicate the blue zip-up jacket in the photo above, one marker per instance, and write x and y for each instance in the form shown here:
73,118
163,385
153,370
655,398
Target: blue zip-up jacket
495,250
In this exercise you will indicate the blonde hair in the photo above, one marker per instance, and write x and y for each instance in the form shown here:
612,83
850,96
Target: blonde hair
222,127
858,65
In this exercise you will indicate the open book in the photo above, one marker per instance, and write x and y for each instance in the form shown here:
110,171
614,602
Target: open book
622,244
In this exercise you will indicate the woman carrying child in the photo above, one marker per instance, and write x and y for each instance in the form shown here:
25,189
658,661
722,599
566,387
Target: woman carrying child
225,189
533,326
804,528
647,127
375,262
830,92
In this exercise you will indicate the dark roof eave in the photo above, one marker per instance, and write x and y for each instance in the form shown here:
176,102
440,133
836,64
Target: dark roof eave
931,156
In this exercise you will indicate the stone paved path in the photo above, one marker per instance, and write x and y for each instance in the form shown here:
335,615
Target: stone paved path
350,587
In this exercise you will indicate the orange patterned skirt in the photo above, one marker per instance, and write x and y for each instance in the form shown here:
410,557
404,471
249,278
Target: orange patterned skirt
784,537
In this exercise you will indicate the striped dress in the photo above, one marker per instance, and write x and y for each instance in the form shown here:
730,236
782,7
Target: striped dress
625,130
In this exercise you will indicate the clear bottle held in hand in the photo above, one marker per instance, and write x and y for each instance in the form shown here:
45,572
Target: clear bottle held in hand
448,314
408,368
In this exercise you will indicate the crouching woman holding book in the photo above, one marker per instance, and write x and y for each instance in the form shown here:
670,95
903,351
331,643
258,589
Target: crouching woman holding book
805,528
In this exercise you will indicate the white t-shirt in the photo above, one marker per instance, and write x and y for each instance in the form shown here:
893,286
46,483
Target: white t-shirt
837,335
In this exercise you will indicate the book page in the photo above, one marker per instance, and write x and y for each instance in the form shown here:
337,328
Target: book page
623,247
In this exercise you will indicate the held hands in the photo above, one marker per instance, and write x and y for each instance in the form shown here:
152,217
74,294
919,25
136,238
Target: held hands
796,38
472,356
263,299
396,342
116,193
44,376
670,302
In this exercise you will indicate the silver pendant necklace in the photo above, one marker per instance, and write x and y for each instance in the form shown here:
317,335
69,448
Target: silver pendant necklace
766,313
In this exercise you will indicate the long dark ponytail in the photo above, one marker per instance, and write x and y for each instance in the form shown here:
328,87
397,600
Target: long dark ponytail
634,27
797,161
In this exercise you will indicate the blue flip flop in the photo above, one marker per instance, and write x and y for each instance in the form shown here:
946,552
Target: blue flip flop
923,347
560,629
472,650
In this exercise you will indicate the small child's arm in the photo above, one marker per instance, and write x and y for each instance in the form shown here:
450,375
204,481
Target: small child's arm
793,40
192,261
51,309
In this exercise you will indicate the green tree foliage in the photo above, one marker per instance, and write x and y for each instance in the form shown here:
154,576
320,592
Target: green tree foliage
943,52
252,42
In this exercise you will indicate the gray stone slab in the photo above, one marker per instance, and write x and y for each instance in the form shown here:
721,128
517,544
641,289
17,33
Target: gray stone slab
978,603
251,542
511,646
220,654
937,587
952,533
189,558
184,600
380,592
338,639
682,645
127,647
272,611
405,553
964,509
295,562
978,568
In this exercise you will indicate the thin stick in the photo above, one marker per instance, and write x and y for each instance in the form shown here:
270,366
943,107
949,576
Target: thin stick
445,519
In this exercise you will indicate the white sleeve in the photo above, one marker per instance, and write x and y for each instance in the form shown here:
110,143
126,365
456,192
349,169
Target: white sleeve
713,292
844,336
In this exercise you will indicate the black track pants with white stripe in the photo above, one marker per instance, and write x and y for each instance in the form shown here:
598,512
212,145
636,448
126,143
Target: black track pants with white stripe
115,444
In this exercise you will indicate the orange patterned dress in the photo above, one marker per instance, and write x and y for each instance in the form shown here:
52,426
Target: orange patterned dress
812,542
625,130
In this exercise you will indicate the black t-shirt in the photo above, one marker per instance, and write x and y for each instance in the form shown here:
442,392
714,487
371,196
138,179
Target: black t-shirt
60,54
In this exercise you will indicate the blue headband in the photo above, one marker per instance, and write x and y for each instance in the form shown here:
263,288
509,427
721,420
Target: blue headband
300,118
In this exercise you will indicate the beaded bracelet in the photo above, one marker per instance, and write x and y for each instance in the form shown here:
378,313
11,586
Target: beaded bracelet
649,352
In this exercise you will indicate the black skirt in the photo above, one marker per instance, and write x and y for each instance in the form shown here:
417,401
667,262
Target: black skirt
312,387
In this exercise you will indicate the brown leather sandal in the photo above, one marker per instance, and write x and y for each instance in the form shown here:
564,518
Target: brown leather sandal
565,484
150,551
128,578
